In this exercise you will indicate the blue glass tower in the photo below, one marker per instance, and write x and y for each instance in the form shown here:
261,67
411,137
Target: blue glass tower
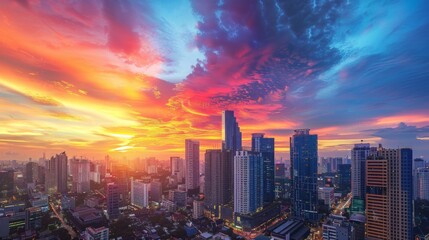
303,157
265,146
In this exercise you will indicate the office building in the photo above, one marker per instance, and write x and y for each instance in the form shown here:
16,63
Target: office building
326,194
417,164
360,153
280,170
231,134
337,227
177,167
80,172
265,146
56,174
248,191
389,194
7,182
192,159
303,155
197,209
139,193
213,194
32,172
155,193
292,229
357,221
422,183
344,178
113,200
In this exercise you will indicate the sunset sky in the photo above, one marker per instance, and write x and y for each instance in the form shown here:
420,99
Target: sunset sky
136,78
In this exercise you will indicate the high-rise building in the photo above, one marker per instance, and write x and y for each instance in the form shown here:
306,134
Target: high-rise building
113,200
227,178
31,172
80,171
56,174
197,209
192,158
213,178
248,191
303,157
389,194
344,178
7,182
155,193
231,135
101,233
417,163
177,167
422,186
265,146
326,194
139,193
360,153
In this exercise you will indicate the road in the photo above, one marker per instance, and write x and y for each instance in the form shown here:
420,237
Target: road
339,209
64,224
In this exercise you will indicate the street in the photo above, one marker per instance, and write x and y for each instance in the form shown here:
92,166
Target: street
63,223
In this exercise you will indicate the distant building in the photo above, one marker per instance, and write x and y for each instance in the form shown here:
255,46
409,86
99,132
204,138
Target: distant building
198,209
389,194
360,153
178,197
155,192
417,164
326,194
358,224
177,167
422,183
33,218
248,182
213,178
265,146
303,155
337,227
80,171
231,134
101,233
192,158
112,200
344,178
139,193
56,174
31,172
7,182
280,170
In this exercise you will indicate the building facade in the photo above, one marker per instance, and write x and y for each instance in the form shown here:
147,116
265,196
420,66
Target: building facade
56,174
192,159
303,155
113,200
265,146
231,134
139,193
360,153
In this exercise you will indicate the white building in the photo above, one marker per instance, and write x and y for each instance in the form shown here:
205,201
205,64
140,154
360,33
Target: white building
192,158
337,227
80,169
139,193
327,195
101,233
248,182
422,183
198,209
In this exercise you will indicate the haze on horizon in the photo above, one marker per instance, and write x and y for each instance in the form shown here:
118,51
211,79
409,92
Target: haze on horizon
136,78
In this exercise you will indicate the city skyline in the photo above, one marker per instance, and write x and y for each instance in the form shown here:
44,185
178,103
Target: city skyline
145,78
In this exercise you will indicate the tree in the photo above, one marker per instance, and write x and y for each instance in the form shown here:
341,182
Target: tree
62,233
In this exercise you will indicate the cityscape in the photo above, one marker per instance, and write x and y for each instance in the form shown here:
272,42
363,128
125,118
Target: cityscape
229,119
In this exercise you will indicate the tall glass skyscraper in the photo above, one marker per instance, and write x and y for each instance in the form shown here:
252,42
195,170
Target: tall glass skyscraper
265,146
192,159
360,153
303,158
231,135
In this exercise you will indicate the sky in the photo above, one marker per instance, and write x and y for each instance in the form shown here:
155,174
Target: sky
136,78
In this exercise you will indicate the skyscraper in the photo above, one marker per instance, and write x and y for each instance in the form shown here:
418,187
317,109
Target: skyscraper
248,191
422,183
177,168
344,178
417,164
360,153
139,193
389,194
31,172
213,178
56,174
113,200
192,159
266,147
231,135
303,157
80,171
